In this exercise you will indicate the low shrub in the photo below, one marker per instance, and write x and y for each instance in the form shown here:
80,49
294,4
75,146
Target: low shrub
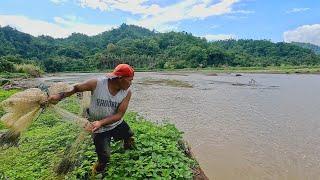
31,69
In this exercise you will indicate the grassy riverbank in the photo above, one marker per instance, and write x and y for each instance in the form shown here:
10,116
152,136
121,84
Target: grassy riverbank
8,75
227,69
269,70
158,153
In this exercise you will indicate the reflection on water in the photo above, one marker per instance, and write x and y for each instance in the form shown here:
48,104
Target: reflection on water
255,126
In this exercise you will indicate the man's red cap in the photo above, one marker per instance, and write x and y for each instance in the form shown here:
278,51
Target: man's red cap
122,70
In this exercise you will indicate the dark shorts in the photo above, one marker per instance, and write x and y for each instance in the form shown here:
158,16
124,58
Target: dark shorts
122,131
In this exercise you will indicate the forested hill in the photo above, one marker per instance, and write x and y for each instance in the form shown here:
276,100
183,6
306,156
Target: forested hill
313,47
143,48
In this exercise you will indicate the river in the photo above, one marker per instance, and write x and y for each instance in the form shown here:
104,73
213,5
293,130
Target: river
253,126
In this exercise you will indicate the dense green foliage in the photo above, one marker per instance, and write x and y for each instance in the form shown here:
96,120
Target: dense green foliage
145,49
157,154
266,53
16,64
313,47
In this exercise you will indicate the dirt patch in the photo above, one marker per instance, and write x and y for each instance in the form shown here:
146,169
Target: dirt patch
174,74
165,82
20,84
212,74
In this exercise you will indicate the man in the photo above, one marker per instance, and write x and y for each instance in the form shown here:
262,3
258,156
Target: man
109,102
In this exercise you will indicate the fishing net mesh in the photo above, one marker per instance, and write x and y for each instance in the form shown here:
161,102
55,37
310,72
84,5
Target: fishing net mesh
23,107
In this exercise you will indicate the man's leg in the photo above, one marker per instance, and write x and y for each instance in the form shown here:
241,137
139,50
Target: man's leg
123,132
128,143
103,150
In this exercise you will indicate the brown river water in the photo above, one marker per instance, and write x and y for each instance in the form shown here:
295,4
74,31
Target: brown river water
254,126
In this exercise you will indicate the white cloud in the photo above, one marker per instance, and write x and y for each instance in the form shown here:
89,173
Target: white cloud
204,10
58,1
95,4
155,17
305,33
296,10
216,37
62,27
132,6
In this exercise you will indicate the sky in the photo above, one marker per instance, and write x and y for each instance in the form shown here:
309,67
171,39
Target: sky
275,20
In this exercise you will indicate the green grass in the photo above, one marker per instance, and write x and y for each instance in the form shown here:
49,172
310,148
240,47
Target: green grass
14,75
269,69
42,146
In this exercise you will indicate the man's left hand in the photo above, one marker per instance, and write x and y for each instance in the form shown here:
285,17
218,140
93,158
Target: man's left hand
96,125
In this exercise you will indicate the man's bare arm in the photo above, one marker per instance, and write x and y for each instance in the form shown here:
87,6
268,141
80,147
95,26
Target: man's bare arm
89,85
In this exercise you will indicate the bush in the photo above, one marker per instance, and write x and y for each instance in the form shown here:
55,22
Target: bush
6,66
32,70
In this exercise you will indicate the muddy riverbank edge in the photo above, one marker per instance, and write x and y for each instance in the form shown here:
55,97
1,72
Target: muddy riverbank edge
198,173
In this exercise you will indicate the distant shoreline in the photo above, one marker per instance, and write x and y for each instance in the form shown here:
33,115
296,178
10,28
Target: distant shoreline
258,70
266,70
262,70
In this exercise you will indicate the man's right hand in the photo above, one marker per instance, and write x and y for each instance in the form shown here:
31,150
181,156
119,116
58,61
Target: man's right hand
54,99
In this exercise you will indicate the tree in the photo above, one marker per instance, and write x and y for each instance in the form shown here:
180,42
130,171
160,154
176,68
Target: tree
6,66
197,56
